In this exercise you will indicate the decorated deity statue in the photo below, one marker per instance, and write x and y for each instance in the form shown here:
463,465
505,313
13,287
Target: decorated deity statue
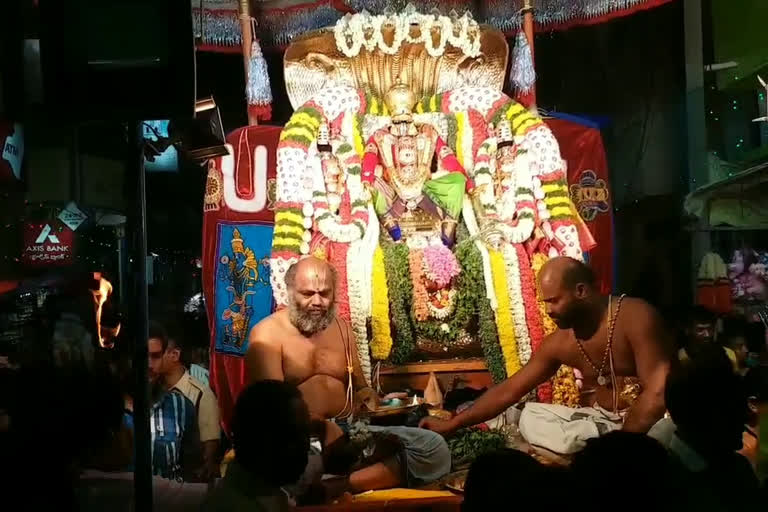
400,124
398,165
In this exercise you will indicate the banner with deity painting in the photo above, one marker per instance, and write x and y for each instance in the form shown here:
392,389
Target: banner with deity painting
238,217
582,148
243,295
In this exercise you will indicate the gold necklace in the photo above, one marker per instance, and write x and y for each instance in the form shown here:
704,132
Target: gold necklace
602,380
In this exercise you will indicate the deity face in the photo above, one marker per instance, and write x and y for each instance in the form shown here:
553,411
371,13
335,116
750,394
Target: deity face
407,153
311,299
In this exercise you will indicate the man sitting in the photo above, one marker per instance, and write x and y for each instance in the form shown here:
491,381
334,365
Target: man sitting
610,340
307,345
268,454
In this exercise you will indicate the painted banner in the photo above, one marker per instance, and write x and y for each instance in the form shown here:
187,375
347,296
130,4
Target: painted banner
239,195
582,148
243,295
47,244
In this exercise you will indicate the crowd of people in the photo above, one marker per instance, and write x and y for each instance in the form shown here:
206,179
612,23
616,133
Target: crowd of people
69,420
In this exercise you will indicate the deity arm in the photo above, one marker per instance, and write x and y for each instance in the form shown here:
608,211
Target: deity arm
449,162
378,150
652,350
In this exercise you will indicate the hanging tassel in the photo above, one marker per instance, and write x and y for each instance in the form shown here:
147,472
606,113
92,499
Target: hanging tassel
258,89
522,75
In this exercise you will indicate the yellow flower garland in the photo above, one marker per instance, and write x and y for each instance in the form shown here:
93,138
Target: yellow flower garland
564,389
504,322
381,343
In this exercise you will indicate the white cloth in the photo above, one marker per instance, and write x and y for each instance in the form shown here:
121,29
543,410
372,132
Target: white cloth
563,429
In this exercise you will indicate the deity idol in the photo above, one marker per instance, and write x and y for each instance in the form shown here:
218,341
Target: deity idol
398,165
393,130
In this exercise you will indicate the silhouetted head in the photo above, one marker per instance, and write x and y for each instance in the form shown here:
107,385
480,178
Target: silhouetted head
567,289
500,479
270,431
614,461
704,381
701,324
311,285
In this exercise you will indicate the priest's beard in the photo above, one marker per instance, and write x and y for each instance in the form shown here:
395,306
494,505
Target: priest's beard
310,322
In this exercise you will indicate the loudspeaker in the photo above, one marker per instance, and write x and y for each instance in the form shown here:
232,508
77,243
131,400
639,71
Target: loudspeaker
121,60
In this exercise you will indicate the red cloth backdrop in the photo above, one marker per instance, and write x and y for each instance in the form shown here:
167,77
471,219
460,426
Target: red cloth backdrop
588,177
227,372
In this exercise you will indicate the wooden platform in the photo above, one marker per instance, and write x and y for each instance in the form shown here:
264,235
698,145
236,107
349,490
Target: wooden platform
469,372
446,504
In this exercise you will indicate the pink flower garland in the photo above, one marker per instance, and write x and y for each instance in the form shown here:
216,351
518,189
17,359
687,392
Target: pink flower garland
440,265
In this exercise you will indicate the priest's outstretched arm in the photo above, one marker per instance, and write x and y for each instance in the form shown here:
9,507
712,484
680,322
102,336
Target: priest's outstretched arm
496,400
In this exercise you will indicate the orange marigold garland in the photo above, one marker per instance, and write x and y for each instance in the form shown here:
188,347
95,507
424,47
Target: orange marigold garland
420,297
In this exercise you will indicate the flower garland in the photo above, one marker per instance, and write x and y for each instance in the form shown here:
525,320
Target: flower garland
538,260
564,389
359,270
381,341
472,285
530,299
503,314
358,312
400,296
420,297
352,33
440,265
518,304
447,304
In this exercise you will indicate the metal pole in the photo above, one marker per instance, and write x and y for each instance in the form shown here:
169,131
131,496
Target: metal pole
697,132
142,438
247,38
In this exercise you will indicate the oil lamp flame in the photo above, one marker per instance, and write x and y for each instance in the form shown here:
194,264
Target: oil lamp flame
100,296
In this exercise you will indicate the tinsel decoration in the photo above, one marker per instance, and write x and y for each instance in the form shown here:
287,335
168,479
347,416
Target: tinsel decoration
258,89
522,75
217,25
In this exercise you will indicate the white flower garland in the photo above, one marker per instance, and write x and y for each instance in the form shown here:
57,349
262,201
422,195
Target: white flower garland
359,290
471,221
522,182
329,223
356,31
522,336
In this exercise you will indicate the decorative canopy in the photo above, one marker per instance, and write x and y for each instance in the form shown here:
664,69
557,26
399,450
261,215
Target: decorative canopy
218,26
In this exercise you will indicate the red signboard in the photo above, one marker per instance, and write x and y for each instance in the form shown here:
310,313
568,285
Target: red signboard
47,244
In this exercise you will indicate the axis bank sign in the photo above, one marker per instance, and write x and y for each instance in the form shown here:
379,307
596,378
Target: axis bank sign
47,244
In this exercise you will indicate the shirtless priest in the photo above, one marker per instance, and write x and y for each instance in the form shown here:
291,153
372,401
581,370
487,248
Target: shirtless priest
619,346
308,345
